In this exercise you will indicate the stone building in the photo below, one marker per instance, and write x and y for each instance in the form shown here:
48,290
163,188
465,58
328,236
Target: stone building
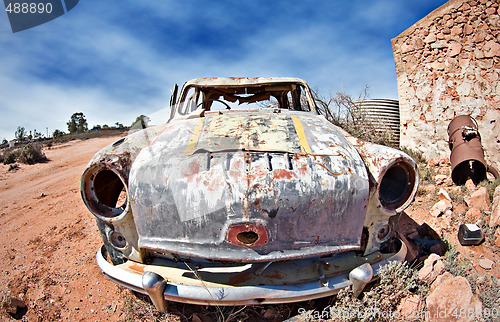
448,64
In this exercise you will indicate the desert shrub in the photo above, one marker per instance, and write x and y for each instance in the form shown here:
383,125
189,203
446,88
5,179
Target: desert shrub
489,232
9,156
488,290
397,281
418,156
13,167
89,135
458,196
426,173
367,131
454,264
32,153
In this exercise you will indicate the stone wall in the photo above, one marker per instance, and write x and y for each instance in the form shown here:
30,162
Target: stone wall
448,64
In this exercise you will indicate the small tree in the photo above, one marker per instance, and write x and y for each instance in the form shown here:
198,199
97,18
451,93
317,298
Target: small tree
20,134
77,123
346,112
57,133
141,122
36,134
341,109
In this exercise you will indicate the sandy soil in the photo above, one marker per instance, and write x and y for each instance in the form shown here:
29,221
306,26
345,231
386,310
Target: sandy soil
49,239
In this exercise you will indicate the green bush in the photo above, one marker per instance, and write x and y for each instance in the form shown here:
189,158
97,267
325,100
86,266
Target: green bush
32,153
458,196
426,174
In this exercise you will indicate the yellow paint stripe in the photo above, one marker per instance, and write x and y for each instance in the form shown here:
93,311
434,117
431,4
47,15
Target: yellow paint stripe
301,134
194,137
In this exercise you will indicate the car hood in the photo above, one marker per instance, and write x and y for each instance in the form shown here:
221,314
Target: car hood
290,178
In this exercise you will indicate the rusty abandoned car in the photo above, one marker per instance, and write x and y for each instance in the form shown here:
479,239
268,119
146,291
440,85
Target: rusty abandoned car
246,195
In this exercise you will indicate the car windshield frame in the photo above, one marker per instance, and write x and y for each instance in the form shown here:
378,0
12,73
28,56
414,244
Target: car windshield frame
244,93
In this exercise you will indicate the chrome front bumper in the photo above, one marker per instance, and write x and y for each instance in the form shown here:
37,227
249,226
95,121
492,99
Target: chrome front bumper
164,284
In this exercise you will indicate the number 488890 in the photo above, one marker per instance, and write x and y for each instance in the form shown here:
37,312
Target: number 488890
27,7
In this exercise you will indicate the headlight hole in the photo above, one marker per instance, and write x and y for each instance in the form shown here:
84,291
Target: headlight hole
397,185
104,192
108,188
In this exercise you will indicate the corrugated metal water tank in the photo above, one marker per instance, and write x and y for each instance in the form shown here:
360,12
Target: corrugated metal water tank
383,114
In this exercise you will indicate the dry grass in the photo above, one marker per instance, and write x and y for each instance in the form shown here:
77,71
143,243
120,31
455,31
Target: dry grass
490,186
397,281
138,307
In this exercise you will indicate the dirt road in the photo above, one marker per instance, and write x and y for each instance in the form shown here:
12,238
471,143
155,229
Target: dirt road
49,239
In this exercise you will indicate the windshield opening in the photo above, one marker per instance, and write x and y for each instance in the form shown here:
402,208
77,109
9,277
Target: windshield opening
284,96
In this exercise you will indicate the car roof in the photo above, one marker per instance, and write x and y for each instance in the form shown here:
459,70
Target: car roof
241,81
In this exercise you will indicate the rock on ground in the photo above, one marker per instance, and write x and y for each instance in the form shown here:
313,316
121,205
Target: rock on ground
441,207
11,304
486,263
444,195
451,298
440,279
433,267
479,199
409,306
473,215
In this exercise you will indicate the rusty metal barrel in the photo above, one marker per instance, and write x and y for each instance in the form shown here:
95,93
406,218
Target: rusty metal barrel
467,155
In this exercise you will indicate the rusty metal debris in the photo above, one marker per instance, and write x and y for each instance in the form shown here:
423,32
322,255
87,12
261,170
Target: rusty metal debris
246,195
467,155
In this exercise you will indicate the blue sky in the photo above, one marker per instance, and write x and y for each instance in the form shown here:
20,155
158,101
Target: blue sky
114,60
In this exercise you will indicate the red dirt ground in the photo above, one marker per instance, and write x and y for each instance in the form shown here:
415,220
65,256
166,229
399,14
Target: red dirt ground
49,239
